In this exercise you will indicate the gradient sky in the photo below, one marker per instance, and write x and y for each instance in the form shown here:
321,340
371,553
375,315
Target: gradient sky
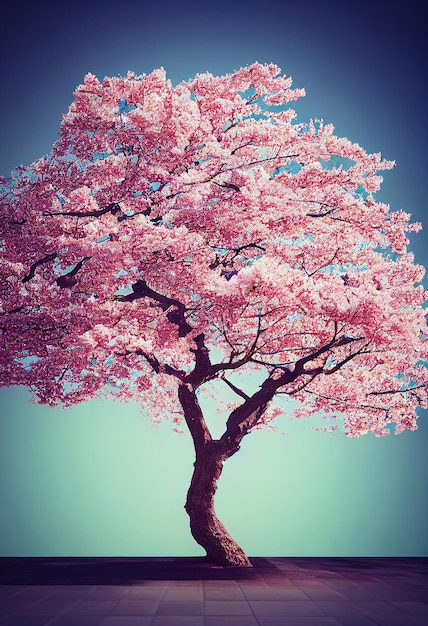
98,480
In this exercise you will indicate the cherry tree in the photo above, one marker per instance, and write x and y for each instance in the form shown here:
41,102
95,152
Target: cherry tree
178,236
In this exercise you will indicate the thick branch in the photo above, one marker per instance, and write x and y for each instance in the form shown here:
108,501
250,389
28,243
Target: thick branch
34,266
112,208
203,367
175,315
245,416
194,417
233,365
12,311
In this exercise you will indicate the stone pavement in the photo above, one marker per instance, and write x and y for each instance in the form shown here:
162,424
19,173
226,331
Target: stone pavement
191,592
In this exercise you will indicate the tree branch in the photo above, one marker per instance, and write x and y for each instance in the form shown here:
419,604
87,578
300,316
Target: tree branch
236,167
203,368
140,289
154,363
234,388
228,186
322,266
112,208
194,417
224,261
331,344
393,391
34,266
344,361
329,206
247,415
279,156
68,280
303,385
344,401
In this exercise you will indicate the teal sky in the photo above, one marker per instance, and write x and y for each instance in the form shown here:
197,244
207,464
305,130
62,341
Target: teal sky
98,480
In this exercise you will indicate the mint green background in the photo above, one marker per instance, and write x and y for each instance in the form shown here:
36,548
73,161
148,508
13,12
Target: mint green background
98,480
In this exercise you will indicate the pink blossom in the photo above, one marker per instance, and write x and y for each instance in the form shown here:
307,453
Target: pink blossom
181,235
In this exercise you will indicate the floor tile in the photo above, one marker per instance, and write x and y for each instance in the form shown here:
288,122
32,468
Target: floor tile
323,593
183,593
24,620
403,620
77,620
230,620
107,592
292,608
7,591
48,607
177,607
264,592
135,607
356,593
279,592
33,595
92,607
185,583
146,593
292,594
223,593
355,620
65,593
125,620
297,621
339,607
417,609
177,620
381,610
226,607
10,606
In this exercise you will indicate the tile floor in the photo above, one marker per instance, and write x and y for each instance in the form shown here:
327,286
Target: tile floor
189,592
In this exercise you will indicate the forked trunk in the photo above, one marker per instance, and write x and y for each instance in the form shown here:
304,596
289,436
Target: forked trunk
205,526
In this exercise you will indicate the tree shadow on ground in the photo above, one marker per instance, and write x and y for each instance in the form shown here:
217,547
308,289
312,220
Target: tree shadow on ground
124,571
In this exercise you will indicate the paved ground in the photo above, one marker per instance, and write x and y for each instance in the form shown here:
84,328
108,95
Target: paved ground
190,592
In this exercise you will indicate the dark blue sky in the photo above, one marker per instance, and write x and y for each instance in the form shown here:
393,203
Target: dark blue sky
363,65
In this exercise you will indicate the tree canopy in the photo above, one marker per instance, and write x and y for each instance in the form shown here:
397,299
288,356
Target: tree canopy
179,235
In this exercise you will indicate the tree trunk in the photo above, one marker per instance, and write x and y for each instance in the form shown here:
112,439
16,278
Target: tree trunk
205,526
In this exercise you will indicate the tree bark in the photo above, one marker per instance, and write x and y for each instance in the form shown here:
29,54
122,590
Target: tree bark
205,526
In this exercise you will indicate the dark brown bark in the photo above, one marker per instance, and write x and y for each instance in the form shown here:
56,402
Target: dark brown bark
35,265
176,310
205,526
